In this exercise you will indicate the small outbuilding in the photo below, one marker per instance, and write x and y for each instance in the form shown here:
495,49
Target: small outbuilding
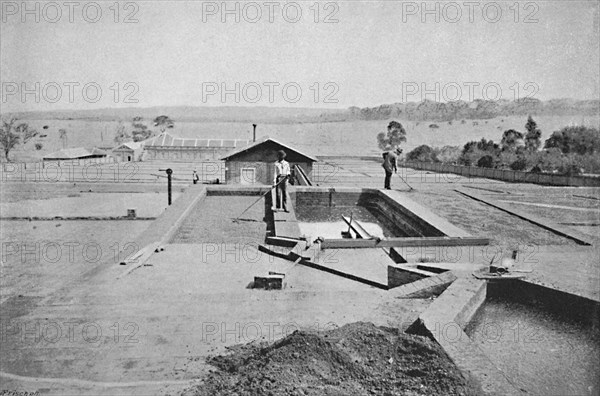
128,151
254,164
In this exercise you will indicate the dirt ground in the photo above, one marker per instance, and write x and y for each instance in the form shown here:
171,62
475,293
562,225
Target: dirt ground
39,257
199,284
356,359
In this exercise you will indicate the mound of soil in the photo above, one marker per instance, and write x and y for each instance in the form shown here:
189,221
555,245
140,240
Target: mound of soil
356,359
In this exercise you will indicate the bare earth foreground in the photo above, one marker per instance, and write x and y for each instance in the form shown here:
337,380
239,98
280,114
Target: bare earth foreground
187,322
356,359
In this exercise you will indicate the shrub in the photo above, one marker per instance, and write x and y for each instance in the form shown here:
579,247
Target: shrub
448,154
487,161
519,165
575,139
423,153
569,169
474,150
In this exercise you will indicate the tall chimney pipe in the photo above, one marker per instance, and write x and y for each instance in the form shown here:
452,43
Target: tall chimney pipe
254,133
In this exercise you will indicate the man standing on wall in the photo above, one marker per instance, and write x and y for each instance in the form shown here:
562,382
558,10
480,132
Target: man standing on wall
389,165
282,174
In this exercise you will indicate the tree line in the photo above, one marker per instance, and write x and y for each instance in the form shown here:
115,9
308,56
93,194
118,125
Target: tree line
14,132
571,150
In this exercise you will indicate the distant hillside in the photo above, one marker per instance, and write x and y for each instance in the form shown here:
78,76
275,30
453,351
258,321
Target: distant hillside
412,111
191,114
479,109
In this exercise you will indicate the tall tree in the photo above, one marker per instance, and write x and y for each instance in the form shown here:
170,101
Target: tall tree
396,134
511,139
13,133
533,135
140,129
163,123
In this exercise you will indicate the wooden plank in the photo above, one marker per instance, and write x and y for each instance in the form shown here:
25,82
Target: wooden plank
402,242
348,243
139,259
549,225
357,228
302,177
343,274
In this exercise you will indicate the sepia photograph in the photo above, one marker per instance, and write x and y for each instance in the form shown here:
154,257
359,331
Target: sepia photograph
300,198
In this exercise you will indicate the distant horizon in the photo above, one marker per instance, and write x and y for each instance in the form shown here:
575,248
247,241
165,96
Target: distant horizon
246,106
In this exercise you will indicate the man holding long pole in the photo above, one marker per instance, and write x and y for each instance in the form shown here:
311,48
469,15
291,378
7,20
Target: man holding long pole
280,178
389,165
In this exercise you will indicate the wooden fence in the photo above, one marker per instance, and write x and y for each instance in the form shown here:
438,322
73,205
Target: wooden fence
507,174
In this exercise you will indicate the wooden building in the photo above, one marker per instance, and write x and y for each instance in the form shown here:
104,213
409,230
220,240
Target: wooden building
128,151
168,147
254,164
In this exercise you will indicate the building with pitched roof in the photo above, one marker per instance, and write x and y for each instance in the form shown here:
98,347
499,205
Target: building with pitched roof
254,164
128,151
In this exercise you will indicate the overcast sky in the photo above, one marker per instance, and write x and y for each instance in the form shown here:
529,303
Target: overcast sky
375,52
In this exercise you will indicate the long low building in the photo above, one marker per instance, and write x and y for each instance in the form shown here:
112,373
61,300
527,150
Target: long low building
75,154
168,147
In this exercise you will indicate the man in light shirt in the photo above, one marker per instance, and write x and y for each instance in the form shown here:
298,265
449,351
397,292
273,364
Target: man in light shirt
282,174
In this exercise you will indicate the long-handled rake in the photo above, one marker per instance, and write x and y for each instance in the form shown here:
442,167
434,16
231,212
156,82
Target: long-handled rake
238,219
405,182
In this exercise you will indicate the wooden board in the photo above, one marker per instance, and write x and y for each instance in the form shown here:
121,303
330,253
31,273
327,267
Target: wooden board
491,276
357,228
402,242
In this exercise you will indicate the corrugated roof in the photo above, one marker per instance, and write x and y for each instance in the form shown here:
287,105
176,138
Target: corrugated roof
74,153
167,140
262,141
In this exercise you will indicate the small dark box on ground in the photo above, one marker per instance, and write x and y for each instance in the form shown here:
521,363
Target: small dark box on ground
268,282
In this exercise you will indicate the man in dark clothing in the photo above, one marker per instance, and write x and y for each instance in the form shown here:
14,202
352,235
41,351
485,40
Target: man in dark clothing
389,165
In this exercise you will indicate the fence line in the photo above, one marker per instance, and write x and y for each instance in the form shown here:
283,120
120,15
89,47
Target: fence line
507,174
109,172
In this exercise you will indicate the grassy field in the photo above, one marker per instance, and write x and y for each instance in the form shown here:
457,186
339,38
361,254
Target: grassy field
329,138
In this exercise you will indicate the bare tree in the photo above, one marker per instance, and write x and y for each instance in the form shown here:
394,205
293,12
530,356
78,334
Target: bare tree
13,133
121,134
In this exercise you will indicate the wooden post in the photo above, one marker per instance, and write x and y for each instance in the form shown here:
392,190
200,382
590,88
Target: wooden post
169,173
